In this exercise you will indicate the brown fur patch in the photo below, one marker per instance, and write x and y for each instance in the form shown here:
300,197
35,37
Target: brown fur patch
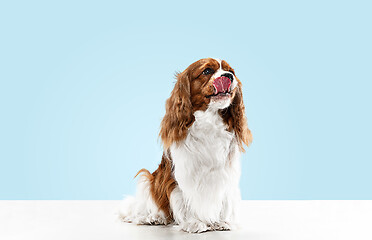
162,184
179,112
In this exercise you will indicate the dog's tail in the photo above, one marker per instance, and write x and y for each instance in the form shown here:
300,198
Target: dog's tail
145,173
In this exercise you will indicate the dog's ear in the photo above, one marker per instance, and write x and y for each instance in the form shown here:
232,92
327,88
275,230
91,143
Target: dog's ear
178,116
234,117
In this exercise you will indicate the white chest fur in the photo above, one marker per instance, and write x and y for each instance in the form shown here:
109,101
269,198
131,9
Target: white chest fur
207,168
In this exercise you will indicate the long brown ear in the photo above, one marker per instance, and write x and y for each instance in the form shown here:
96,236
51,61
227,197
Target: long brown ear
234,117
178,116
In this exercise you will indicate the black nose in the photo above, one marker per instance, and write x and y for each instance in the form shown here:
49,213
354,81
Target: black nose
228,75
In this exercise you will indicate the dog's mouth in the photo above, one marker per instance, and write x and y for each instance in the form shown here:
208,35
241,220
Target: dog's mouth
221,88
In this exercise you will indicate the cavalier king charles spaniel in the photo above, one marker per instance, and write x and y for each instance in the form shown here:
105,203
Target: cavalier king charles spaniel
203,133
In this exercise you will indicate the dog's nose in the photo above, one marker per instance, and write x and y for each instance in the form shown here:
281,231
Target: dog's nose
228,75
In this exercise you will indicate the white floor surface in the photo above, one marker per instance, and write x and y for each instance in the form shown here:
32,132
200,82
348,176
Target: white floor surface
54,220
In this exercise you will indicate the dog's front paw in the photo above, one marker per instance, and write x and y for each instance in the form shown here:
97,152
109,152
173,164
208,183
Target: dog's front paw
195,226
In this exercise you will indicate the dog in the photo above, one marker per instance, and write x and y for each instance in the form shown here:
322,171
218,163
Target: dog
203,132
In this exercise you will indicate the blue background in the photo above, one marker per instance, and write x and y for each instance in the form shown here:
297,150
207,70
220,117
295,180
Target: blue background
83,87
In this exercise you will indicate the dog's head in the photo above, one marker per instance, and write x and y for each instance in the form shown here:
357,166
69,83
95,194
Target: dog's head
206,84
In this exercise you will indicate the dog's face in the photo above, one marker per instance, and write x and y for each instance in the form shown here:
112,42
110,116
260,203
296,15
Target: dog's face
212,83
206,84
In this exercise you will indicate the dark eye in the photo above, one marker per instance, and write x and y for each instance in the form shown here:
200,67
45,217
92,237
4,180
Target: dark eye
231,71
208,71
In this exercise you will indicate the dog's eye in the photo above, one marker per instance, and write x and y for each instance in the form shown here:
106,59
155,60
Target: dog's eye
208,71
232,72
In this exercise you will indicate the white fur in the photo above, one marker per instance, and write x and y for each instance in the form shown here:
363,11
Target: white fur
207,170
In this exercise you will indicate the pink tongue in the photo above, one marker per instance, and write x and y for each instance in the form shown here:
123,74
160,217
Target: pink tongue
222,84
